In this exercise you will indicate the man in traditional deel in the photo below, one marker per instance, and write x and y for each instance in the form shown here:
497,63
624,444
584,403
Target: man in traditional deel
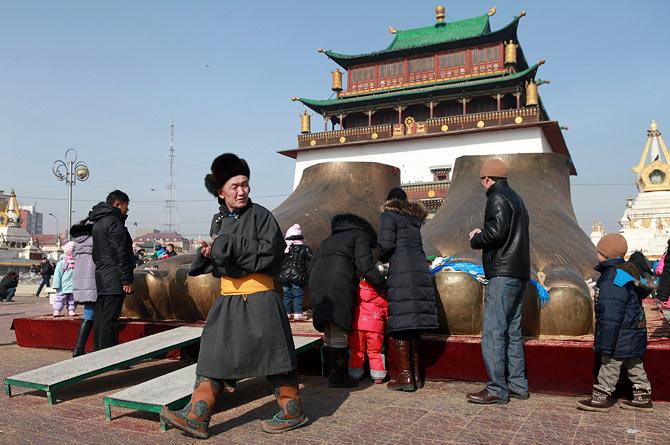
247,333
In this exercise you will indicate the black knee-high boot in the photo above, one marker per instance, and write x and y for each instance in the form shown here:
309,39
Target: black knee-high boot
84,331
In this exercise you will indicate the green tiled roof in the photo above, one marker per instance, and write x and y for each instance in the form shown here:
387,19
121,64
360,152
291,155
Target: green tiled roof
429,36
440,33
323,105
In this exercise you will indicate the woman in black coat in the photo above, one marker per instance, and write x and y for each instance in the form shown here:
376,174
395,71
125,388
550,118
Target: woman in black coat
411,294
333,282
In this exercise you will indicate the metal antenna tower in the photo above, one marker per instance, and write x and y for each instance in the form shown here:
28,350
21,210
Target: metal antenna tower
170,206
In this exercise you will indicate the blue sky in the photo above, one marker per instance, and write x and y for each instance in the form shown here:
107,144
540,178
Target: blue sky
107,78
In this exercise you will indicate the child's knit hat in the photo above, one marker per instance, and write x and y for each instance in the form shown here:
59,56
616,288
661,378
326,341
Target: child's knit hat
612,245
294,236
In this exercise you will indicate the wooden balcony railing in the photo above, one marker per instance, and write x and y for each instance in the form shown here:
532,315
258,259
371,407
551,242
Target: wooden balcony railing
411,128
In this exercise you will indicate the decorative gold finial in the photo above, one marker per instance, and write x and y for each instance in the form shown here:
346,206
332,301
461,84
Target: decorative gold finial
392,30
653,126
531,93
305,124
336,80
540,62
492,11
295,99
439,14
321,50
510,56
522,13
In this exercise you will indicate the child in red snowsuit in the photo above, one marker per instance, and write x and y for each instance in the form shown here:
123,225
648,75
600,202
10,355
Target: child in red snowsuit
367,333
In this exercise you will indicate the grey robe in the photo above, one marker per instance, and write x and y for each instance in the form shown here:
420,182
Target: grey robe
245,337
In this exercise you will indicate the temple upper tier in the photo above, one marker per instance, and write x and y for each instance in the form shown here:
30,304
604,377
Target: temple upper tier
435,79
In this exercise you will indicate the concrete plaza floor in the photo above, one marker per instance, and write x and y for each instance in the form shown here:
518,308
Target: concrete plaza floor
367,414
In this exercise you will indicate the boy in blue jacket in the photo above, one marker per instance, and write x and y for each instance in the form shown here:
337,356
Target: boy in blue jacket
621,330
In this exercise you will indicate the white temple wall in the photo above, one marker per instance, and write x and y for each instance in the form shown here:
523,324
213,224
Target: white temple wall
415,157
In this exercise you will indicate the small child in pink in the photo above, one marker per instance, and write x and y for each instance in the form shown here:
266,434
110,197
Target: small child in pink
367,333
63,282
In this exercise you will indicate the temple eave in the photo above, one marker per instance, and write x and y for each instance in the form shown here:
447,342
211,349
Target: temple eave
347,60
433,90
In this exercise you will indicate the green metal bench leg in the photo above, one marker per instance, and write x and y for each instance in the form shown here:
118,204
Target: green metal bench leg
51,397
108,412
8,390
164,425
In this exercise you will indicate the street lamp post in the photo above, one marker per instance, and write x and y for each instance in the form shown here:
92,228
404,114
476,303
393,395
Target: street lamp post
57,227
70,171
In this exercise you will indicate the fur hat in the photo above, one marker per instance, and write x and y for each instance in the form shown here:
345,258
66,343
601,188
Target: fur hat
612,245
493,168
224,167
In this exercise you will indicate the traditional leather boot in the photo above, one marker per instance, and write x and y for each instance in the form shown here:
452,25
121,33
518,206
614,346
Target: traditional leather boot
641,401
194,417
401,350
290,415
338,376
84,331
416,362
599,401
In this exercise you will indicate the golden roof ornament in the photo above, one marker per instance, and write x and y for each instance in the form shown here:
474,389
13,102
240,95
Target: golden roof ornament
522,13
532,99
492,11
439,14
305,123
510,53
653,170
337,80
392,30
12,213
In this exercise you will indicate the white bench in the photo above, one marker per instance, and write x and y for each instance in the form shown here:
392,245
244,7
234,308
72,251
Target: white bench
174,389
58,375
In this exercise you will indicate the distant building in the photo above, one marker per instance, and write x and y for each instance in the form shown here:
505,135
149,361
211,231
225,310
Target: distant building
646,221
151,239
17,251
32,220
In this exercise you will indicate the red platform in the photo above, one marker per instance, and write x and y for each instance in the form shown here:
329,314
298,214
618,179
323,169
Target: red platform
558,365
61,333
555,366
562,366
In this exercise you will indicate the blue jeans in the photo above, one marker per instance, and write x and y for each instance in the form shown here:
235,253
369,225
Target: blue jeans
9,294
502,342
45,282
89,310
293,298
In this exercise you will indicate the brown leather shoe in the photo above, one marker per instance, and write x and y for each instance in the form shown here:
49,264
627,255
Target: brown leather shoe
194,417
290,415
401,349
483,397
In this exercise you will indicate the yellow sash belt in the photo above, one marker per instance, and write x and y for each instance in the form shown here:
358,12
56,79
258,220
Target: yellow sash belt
249,284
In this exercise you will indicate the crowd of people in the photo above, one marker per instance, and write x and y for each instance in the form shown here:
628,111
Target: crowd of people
364,308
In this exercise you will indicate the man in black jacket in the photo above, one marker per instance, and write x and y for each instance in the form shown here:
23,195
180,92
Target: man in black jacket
114,261
46,271
504,241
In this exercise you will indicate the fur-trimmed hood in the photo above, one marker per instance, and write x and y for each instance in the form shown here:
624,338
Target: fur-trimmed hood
348,221
408,208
